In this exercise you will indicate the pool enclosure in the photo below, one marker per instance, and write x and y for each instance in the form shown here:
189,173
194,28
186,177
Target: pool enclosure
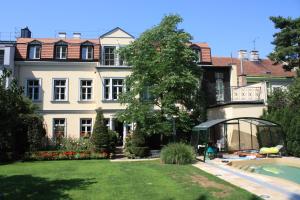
236,134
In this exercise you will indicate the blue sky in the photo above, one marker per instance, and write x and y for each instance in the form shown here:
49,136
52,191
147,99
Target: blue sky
227,25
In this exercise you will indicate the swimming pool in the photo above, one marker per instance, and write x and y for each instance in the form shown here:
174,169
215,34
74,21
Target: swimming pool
278,170
285,168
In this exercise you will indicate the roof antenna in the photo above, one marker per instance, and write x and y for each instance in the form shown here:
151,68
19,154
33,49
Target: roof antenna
254,42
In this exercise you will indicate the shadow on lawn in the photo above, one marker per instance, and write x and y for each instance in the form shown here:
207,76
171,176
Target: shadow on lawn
30,187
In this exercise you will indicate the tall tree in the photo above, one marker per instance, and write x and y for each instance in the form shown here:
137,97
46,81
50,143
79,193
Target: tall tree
165,82
17,113
287,42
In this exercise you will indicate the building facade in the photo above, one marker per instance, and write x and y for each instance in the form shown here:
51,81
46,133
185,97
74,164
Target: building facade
239,87
69,78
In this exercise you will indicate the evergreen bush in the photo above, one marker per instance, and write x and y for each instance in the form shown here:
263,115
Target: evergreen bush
100,135
284,108
136,146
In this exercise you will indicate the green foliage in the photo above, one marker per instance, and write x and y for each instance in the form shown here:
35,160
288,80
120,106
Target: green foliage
35,133
100,136
72,144
178,153
20,126
136,145
284,108
287,42
64,155
165,80
113,139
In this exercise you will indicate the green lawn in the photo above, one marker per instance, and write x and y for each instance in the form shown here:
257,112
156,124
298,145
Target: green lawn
95,179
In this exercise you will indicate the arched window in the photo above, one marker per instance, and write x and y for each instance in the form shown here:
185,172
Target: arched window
87,51
34,50
61,50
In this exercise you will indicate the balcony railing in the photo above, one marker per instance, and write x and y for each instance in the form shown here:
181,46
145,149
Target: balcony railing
245,93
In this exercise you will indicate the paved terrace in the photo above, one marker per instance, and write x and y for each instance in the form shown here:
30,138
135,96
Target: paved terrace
264,186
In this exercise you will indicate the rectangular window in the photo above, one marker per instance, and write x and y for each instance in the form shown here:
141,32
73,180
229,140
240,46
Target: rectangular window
113,88
85,127
35,52
60,90
1,57
198,52
109,55
219,87
61,52
33,89
87,53
59,128
86,90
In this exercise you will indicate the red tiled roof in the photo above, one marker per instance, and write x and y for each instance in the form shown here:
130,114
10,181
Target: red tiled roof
205,51
48,47
254,68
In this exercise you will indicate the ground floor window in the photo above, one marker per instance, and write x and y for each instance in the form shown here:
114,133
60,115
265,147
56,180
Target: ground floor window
59,128
85,127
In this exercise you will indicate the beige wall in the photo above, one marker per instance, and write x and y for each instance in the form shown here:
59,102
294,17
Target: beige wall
73,109
234,111
74,72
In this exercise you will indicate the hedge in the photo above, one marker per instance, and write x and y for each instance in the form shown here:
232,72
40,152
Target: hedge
66,155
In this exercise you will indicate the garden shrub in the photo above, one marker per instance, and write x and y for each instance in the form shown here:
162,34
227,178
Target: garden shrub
73,144
65,155
177,153
284,109
100,136
113,140
136,145
35,133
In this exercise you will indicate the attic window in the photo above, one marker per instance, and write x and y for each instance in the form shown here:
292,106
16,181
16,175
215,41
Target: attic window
34,50
198,54
87,51
61,49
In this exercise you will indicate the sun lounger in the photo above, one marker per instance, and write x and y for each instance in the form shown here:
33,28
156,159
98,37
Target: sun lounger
271,150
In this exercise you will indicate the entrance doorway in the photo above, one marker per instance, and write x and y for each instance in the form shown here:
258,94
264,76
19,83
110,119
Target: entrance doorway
118,127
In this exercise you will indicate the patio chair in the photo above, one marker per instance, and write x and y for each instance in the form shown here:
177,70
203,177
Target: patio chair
271,150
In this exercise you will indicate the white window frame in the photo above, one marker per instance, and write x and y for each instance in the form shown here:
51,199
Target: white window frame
80,89
116,60
59,48
53,126
39,86
87,52
110,96
81,124
34,52
66,90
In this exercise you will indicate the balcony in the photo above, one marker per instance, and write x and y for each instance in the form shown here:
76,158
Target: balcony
245,93
234,94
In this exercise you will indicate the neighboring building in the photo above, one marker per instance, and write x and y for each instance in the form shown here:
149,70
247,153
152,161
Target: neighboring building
7,54
238,87
69,78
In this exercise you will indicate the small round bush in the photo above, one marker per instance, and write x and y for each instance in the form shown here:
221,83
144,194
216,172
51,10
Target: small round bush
177,153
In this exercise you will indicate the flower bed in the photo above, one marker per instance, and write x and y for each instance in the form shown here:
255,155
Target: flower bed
66,155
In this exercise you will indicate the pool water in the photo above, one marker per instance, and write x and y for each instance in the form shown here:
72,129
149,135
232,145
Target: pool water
279,170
